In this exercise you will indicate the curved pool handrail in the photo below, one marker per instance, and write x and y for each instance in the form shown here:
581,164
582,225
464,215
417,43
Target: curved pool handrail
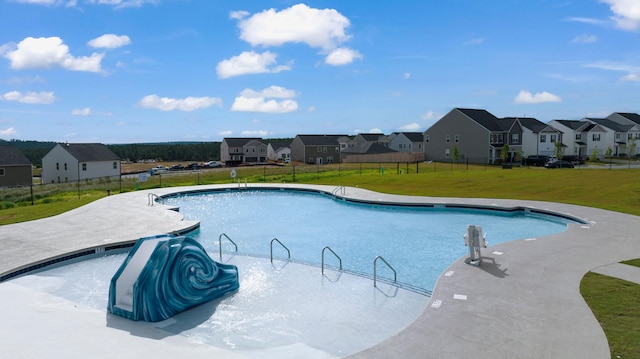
230,240
283,246
388,265
334,253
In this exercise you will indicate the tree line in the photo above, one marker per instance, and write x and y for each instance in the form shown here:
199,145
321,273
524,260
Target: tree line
170,151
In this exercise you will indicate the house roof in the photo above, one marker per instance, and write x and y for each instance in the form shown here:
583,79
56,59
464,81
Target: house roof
320,140
630,116
414,136
368,148
240,141
276,145
572,124
611,124
372,137
12,156
483,118
531,123
90,152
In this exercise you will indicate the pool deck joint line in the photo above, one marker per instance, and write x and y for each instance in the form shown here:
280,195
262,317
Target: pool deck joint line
525,304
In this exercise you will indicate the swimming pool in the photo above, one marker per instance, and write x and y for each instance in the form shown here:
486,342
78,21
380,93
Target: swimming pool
418,242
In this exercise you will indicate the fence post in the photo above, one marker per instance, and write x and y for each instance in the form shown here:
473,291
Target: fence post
32,194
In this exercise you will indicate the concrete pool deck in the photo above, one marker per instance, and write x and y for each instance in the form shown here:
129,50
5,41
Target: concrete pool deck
524,301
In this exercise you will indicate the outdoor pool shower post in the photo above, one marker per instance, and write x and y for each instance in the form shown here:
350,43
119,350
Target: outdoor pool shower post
474,240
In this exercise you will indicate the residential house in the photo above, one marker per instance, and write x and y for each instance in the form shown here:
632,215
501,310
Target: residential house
477,136
279,151
616,135
633,135
376,152
15,167
412,142
364,138
548,138
79,161
317,149
236,151
524,136
575,134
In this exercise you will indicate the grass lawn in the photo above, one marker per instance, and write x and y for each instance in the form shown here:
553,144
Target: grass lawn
615,303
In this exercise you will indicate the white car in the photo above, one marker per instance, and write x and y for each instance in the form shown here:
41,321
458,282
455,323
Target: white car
211,164
158,169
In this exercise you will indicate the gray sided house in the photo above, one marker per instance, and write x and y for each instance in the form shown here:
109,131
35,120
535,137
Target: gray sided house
15,167
279,151
237,151
475,135
575,136
317,149
407,142
79,161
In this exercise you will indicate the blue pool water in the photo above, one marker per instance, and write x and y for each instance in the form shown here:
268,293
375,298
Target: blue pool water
420,243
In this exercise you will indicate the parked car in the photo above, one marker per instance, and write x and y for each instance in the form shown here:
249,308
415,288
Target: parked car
576,160
176,168
192,166
211,164
559,164
157,170
536,160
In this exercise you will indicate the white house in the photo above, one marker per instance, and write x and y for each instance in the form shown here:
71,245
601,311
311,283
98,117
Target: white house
279,151
407,142
78,161
574,136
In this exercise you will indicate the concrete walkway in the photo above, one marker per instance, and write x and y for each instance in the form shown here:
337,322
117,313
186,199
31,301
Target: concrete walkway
523,302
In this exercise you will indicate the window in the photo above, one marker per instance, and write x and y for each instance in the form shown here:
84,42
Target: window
456,138
337,150
419,146
84,166
618,136
553,138
1,171
578,137
515,138
426,138
115,165
57,166
595,137
65,166
329,159
446,152
543,138
447,138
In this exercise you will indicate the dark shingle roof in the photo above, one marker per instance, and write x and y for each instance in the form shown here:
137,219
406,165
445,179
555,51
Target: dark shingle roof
276,145
372,137
483,118
572,124
611,124
90,152
368,148
531,123
320,140
630,116
12,156
240,141
414,136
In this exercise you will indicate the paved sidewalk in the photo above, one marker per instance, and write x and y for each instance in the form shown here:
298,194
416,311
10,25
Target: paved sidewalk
620,270
523,302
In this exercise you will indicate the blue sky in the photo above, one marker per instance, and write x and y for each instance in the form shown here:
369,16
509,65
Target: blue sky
135,71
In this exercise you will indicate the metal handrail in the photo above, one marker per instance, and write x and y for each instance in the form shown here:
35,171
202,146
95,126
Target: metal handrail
388,265
150,198
230,240
340,189
283,246
334,253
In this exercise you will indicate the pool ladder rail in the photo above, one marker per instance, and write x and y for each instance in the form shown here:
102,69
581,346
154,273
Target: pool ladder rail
375,261
151,199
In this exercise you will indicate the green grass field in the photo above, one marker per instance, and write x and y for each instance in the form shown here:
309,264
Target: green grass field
615,303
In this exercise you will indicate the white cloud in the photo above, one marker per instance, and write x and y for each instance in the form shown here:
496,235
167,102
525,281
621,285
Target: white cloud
110,41
265,100
42,98
185,104
8,132
475,41
258,133
49,52
411,127
584,39
81,111
317,28
430,116
299,23
526,97
342,56
626,13
249,62
225,133
406,75
587,20
118,4
633,72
